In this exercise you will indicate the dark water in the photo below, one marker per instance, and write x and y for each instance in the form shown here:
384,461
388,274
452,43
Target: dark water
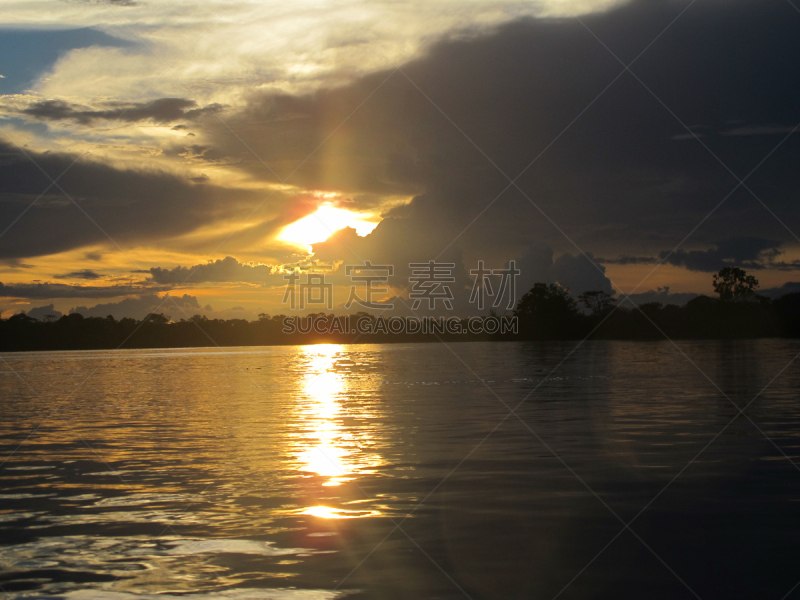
395,472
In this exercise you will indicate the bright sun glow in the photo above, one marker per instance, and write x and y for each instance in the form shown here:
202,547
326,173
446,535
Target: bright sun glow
326,512
318,226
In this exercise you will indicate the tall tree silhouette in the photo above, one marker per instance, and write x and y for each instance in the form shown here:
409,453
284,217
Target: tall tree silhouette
735,285
546,311
599,303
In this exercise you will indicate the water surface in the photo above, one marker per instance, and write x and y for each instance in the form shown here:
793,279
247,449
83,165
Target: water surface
400,471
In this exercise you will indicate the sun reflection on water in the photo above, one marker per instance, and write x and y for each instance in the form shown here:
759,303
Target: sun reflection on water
326,512
329,448
322,388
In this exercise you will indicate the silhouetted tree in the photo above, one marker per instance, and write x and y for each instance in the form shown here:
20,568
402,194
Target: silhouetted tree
21,318
599,303
546,311
735,285
156,319
787,313
652,308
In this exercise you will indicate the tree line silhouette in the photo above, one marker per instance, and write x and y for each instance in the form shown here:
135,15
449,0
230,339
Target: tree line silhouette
546,312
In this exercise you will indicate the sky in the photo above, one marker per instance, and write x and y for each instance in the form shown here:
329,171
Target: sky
207,151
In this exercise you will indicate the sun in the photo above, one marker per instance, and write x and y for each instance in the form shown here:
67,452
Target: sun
320,225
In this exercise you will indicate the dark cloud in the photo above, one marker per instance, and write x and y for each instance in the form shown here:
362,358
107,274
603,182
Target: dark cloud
42,313
577,273
628,260
662,296
162,110
612,177
747,252
140,306
226,270
129,206
64,290
761,130
419,245
581,274
16,263
536,265
84,274
198,153
790,287
607,169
